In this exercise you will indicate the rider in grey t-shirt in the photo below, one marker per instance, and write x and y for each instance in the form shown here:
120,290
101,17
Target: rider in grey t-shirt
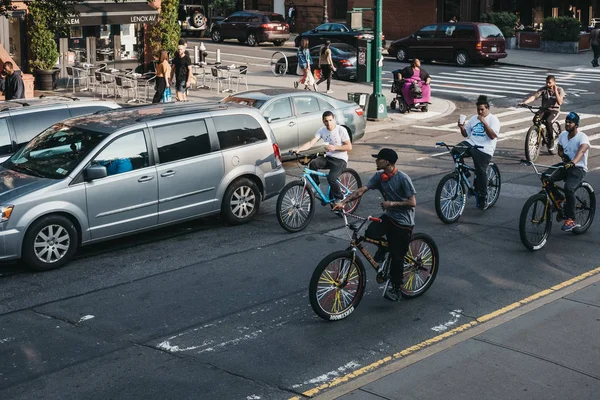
397,188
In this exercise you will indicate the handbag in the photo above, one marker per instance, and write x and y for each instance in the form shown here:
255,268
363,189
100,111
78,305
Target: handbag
166,97
308,80
299,71
318,74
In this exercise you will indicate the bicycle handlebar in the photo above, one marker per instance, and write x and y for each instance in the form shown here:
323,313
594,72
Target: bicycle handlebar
532,164
533,109
448,146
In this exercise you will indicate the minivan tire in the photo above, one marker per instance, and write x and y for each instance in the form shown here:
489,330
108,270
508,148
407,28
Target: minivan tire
216,36
401,55
66,233
244,190
462,58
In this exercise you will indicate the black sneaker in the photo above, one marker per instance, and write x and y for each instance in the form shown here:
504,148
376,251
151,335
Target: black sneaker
392,292
380,254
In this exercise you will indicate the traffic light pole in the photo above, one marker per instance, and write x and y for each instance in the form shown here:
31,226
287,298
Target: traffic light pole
377,103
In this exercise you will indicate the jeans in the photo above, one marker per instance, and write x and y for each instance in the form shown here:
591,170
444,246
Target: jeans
335,166
481,161
573,178
398,238
161,85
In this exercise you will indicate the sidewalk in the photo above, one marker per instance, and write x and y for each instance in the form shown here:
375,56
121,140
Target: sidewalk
580,62
545,347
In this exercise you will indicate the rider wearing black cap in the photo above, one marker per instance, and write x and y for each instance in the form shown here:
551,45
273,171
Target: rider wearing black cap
399,218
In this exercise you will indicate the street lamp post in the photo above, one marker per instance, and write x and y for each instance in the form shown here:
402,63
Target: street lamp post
325,16
377,103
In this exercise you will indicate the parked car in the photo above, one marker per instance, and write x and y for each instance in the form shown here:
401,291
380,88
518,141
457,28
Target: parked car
106,175
343,56
296,115
22,119
252,27
192,17
336,33
462,43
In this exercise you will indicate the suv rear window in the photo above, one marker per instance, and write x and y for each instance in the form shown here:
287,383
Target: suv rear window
489,31
273,18
238,130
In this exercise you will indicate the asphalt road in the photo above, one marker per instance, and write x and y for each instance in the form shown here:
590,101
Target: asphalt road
206,310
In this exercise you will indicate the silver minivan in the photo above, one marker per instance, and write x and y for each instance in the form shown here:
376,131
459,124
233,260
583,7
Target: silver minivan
109,174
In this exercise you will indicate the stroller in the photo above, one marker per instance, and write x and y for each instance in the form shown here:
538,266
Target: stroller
414,102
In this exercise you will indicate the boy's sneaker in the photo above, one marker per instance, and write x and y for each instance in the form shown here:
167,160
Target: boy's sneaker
392,292
569,225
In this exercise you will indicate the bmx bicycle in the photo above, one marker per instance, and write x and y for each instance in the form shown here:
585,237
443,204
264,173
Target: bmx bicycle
537,136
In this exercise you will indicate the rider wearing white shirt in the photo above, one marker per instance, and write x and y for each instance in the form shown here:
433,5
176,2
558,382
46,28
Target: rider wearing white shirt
573,146
481,130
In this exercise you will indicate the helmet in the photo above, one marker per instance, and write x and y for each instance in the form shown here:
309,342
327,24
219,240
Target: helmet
574,117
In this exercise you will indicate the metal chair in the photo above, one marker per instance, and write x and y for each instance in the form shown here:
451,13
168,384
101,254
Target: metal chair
127,84
76,75
218,77
241,74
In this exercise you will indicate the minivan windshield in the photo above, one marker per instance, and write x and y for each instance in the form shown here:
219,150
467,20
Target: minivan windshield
55,152
490,31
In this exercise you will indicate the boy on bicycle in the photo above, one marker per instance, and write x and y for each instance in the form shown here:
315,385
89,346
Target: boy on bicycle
399,219
573,148
481,130
337,145
552,99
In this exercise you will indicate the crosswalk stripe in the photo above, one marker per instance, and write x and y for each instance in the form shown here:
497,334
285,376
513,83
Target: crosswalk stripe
483,90
517,69
502,79
476,82
460,92
500,115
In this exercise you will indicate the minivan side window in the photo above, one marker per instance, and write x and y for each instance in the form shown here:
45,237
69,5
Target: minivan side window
124,154
180,141
5,142
427,32
29,125
465,32
446,31
238,130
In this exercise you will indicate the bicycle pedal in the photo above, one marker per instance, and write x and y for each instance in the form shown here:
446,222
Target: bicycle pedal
381,278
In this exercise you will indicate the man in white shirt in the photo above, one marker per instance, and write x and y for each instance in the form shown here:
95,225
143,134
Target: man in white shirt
573,146
481,130
337,145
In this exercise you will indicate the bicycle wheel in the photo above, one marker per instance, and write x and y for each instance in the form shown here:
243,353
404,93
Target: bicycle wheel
295,206
585,207
450,199
350,181
555,132
532,144
337,285
279,63
494,184
420,266
535,222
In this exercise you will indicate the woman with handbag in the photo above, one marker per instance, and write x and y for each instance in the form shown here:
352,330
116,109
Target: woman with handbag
304,62
326,65
163,72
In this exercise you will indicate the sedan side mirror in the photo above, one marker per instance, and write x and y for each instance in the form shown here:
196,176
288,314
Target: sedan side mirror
94,172
269,119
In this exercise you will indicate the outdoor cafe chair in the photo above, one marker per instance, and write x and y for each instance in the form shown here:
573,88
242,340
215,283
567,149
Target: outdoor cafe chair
76,75
238,75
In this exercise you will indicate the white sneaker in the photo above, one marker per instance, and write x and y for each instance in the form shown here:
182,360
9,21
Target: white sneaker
329,91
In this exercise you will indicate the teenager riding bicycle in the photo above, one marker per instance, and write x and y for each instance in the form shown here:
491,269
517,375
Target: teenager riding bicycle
481,130
573,146
337,145
399,219
552,99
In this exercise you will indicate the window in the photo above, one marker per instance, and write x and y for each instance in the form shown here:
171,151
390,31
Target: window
28,125
338,28
324,28
279,109
446,31
306,105
238,130
325,106
490,31
180,141
465,32
124,154
427,32
5,142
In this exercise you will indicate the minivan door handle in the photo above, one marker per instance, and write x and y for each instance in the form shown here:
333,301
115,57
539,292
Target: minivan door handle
292,123
168,173
145,178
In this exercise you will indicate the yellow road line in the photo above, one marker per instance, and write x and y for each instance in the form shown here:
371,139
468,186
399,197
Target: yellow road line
410,350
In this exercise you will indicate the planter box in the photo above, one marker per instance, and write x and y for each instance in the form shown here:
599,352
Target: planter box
511,42
549,46
529,40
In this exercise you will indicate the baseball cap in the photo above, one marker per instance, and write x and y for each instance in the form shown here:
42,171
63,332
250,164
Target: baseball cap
388,155
572,116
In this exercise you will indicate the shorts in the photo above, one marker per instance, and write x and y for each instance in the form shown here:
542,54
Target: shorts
180,87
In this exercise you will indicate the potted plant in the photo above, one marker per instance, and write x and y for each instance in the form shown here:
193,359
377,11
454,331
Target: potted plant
506,22
561,35
43,47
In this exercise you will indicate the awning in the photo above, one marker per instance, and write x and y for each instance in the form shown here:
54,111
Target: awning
109,13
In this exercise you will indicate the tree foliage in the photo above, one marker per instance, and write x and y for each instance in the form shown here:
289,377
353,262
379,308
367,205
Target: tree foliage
505,21
561,29
43,47
165,34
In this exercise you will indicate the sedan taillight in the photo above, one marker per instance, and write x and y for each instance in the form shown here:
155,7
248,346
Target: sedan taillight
346,63
359,111
277,152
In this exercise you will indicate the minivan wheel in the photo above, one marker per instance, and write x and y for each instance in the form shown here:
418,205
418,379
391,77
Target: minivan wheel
50,243
241,201
462,58
216,36
251,39
401,55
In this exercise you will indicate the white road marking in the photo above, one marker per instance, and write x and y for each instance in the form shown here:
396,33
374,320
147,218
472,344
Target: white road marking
85,318
253,397
6,340
461,92
352,365
477,82
456,314
541,81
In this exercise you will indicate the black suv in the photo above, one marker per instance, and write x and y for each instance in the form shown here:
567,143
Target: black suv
252,27
192,17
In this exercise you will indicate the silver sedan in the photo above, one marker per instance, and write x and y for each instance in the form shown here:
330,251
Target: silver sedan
296,115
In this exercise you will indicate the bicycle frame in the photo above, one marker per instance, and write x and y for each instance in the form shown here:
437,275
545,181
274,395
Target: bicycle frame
325,197
460,167
547,187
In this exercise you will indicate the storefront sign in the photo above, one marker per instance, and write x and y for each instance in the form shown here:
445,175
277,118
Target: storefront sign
114,14
143,19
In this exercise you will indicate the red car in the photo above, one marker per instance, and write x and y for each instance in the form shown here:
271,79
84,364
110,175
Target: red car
252,27
460,42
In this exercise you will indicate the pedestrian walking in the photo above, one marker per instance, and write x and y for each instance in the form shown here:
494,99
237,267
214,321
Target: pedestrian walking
182,71
595,42
326,65
12,84
304,62
163,72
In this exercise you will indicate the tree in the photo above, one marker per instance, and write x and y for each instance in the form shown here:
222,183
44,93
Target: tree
42,44
166,32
